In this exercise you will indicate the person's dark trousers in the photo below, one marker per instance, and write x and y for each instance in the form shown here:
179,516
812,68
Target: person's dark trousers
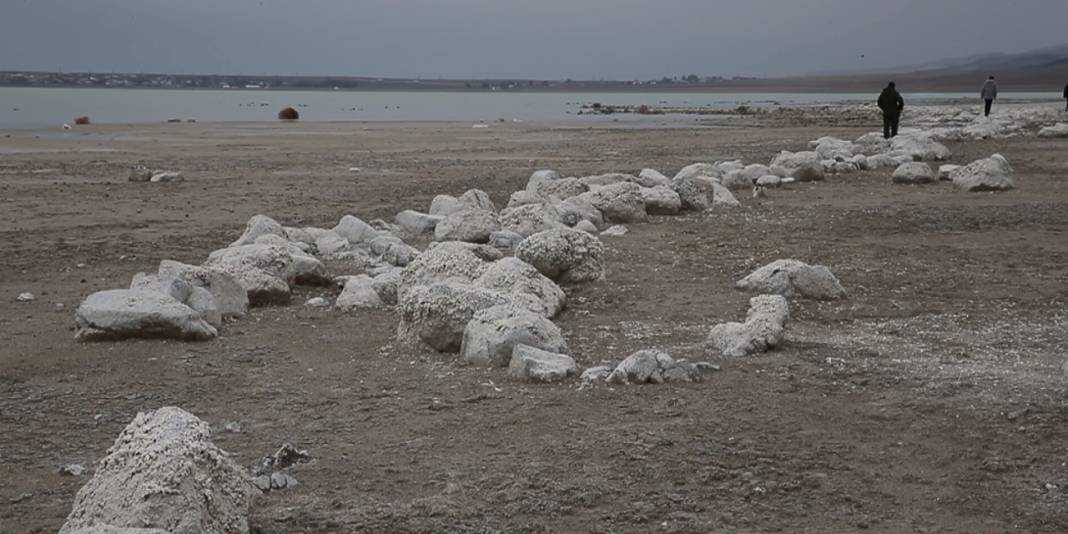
989,104
890,124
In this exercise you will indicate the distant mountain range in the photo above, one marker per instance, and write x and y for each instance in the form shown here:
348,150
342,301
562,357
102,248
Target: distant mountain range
1048,57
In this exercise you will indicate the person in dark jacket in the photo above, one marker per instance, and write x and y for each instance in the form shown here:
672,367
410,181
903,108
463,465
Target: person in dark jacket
989,93
892,104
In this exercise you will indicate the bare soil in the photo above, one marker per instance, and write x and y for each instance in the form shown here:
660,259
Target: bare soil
932,400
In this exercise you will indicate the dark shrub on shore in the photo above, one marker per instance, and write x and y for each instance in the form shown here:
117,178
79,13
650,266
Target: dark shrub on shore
288,114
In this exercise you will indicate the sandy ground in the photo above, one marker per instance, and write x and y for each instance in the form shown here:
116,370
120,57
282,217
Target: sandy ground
932,400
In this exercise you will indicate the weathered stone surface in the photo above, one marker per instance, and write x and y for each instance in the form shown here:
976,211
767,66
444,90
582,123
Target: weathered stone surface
601,180
620,202
881,161
990,174
769,181
139,313
108,529
721,197
445,205
561,189
298,235
763,330
541,176
661,200
652,367
793,278
513,275
203,302
477,199
1055,131
355,230
166,177
416,222
400,254
231,298
801,166
163,472
522,198
530,219
576,209
652,178
586,226
175,288
257,226
535,365
331,243
438,314
595,375
919,148
564,255
359,294
443,261
944,171
492,333
382,243
698,169
264,271
505,240
693,192
469,225
914,172
386,284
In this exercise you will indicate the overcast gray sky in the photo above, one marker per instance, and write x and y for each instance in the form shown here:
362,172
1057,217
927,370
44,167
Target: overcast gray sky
617,39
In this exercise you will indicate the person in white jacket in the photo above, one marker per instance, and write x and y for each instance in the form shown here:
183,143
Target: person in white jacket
989,93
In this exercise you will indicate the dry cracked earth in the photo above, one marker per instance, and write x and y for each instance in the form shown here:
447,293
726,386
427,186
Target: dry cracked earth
931,400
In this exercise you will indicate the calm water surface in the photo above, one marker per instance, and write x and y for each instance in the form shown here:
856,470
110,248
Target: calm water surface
52,107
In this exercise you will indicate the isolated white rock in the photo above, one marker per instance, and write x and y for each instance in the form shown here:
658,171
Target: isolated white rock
492,333
416,222
763,329
536,365
914,173
793,278
163,472
166,177
358,294
468,225
25,297
990,174
138,313
259,225
565,255
317,302
652,367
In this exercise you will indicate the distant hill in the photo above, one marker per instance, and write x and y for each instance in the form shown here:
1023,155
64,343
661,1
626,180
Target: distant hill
998,62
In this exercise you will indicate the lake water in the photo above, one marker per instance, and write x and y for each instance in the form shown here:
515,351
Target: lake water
51,107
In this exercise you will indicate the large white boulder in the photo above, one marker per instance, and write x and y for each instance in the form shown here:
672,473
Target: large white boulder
990,174
529,219
693,192
763,330
445,205
914,172
438,314
230,296
801,166
1055,131
536,365
197,298
919,148
164,472
513,275
358,294
661,200
416,222
697,170
721,197
139,313
793,278
355,230
492,333
565,255
619,202
259,225
469,225
446,261
652,178
264,271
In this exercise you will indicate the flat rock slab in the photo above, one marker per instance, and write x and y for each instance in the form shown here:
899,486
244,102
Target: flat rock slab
138,313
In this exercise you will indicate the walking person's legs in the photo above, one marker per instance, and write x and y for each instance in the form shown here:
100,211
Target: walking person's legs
895,121
989,104
886,126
